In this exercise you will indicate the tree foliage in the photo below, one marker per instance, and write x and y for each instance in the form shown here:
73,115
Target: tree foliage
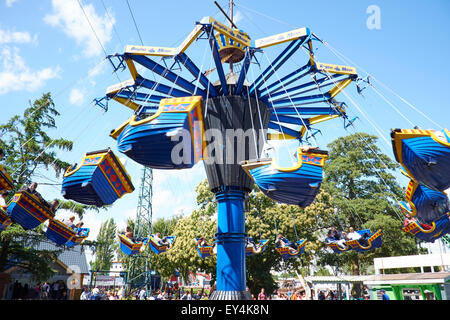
106,246
359,190
29,149
360,178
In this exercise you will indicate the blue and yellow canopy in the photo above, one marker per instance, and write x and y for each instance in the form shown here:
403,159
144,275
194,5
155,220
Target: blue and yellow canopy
27,210
99,180
296,185
425,155
172,138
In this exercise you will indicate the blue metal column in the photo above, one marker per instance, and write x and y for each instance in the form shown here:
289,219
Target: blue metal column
230,239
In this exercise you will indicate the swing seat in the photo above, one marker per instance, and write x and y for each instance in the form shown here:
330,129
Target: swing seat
288,252
156,247
129,247
79,237
204,251
297,185
438,229
99,180
5,220
425,155
251,250
6,182
59,232
426,204
373,241
152,140
336,248
27,210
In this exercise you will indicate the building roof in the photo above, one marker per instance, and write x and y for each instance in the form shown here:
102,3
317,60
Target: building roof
401,278
409,278
74,258
336,279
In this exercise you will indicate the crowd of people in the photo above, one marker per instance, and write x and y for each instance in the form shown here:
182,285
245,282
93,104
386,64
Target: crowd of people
101,294
41,291
168,293
179,293
58,291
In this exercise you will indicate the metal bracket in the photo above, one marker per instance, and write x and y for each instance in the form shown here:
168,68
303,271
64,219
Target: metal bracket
102,102
120,65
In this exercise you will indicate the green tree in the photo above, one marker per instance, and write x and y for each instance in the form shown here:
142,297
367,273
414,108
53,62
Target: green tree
360,178
183,256
266,219
27,144
106,246
263,219
29,150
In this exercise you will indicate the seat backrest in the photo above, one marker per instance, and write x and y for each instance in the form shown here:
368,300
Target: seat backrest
364,231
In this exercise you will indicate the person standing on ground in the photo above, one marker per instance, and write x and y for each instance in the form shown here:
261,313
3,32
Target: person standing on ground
262,295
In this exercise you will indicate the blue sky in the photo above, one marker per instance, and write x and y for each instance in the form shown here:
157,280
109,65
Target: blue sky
48,46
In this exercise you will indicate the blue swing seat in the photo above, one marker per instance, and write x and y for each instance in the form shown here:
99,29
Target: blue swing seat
27,210
5,220
158,248
6,183
79,237
149,141
373,241
426,204
59,232
251,250
99,180
129,247
289,252
204,251
336,249
424,155
297,185
438,229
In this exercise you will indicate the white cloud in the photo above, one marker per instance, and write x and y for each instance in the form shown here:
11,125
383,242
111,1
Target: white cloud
8,36
76,97
97,69
16,75
237,17
68,16
9,3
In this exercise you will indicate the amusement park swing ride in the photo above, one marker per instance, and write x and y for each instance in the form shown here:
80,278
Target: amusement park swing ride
170,129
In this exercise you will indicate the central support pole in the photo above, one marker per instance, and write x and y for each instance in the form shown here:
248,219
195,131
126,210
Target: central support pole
230,237
237,138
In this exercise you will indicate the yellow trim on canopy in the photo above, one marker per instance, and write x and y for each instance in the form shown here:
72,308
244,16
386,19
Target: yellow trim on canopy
299,163
235,34
193,101
189,39
339,87
415,224
101,156
280,38
279,136
335,68
5,173
150,51
414,133
117,165
248,165
128,103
